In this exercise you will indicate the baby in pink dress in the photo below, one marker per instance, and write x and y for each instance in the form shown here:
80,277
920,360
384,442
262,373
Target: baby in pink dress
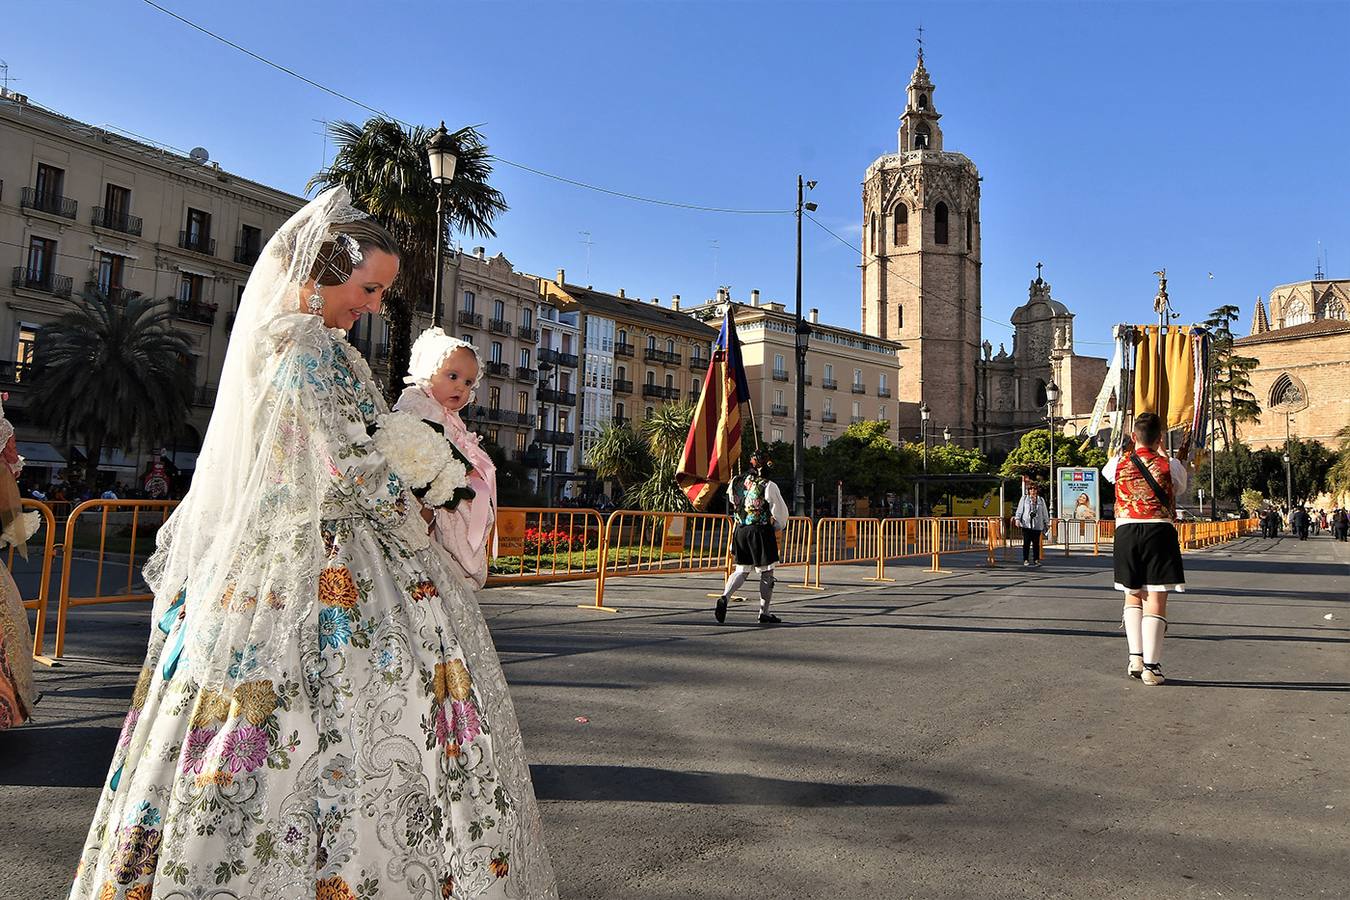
443,373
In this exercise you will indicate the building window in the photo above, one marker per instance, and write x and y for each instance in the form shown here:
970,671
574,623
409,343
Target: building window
779,364
564,419
565,381
829,372
829,405
618,410
651,377
651,342
881,381
560,461
899,316
198,230
1286,393
567,343
495,353
109,272
468,301
901,225
872,232
623,337
940,223
922,136
698,386
1296,313
23,353
468,338
649,412
190,288
923,101
250,244
523,402
777,435
670,382
520,442
777,398
50,182
41,260
498,310
970,245
623,373
527,318
881,413
494,398
670,346
857,409
494,435
524,357
857,377
116,206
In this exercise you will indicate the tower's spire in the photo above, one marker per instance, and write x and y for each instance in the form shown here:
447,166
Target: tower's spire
920,44
1260,322
918,125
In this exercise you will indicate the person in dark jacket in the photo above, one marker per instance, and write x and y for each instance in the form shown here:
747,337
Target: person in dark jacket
1299,522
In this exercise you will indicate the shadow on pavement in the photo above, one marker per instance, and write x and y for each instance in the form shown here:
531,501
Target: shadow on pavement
1339,687
641,784
57,756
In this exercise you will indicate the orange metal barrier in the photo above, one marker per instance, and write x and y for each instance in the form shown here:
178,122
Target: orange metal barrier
934,536
844,540
126,512
656,543
1198,535
537,544
46,533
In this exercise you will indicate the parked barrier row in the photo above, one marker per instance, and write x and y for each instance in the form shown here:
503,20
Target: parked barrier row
540,544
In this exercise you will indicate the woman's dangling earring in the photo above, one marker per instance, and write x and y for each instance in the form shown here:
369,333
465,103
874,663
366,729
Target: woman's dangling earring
316,303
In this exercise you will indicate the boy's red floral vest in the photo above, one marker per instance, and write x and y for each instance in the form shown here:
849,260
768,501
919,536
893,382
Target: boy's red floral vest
1134,498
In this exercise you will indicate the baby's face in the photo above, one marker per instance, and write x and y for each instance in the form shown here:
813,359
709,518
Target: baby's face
452,386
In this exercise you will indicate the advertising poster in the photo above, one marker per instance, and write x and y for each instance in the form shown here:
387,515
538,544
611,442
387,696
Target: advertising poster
1076,483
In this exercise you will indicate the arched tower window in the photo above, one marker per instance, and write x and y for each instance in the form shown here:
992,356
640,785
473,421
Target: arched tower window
1332,309
970,231
1296,312
922,136
923,101
872,232
901,225
940,223
1286,393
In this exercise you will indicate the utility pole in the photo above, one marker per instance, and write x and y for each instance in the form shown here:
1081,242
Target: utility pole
803,337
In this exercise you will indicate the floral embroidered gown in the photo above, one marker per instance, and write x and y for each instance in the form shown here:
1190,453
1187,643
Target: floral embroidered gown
385,762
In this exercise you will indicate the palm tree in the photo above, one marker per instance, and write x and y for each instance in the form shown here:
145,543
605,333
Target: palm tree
111,371
621,454
385,168
665,433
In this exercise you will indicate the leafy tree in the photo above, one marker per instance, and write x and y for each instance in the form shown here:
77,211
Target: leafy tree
1235,470
1310,463
1234,402
664,433
1031,457
111,372
1338,475
620,453
1252,500
385,167
866,460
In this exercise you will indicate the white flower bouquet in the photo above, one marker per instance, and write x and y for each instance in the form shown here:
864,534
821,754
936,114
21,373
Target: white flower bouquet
418,452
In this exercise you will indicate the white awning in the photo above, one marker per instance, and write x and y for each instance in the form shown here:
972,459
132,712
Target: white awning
99,248
40,454
191,271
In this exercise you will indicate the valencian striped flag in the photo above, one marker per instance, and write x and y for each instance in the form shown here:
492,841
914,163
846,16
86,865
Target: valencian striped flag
714,443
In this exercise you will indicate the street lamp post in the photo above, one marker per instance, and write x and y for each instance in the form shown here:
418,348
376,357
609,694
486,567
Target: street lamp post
924,413
1288,470
547,371
803,336
1051,398
441,156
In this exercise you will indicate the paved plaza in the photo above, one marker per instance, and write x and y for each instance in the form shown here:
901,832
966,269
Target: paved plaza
969,735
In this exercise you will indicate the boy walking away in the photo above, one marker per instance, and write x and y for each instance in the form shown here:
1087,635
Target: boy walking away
1147,553
1033,518
760,512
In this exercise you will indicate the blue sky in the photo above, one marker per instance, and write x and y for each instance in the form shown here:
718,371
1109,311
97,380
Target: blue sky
1113,138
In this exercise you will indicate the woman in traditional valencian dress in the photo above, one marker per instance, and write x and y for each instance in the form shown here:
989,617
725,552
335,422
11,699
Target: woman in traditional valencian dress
16,641
322,713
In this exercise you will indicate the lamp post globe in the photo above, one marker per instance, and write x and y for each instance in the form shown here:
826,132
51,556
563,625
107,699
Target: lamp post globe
441,158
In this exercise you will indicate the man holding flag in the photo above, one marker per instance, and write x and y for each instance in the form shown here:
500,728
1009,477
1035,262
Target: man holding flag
712,449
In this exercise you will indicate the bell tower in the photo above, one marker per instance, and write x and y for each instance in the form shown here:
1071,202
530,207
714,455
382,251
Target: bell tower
921,265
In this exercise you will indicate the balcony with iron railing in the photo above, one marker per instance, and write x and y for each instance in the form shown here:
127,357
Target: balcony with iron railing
854,420
42,280
470,318
197,243
246,255
111,293
660,392
498,369
193,310
116,221
883,392
698,363
859,388
563,398
526,374
780,375
526,333
776,410
499,326
829,384
556,438
623,387
14,372
48,202
557,357
624,349
662,356
828,416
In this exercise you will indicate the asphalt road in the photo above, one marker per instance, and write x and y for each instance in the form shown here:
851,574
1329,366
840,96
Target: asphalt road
971,735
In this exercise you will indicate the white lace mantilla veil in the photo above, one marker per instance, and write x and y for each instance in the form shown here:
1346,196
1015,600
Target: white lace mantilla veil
244,547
